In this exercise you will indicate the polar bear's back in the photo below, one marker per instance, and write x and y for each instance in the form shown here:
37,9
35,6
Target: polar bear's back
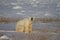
21,22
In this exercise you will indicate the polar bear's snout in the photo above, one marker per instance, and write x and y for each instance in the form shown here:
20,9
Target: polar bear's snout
31,18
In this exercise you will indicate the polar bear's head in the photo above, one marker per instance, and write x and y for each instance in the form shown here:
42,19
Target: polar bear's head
31,19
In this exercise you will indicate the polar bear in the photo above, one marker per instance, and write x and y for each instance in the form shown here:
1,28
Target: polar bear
25,25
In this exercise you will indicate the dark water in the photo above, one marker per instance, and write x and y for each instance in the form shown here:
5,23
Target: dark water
8,26
12,26
52,25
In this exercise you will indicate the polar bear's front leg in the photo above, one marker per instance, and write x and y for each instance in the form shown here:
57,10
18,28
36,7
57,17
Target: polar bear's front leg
30,28
20,28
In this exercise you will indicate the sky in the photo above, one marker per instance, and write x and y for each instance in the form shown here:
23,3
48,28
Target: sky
29,8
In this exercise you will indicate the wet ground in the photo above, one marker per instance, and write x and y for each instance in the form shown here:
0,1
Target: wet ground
32,36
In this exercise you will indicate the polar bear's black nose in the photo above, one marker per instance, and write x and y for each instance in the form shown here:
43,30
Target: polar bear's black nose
31,19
